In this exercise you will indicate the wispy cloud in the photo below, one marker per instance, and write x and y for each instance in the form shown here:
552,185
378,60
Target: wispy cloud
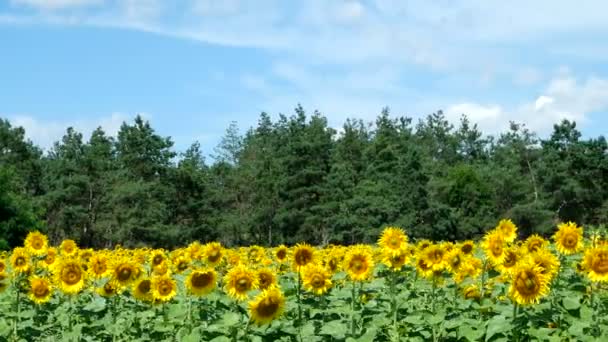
45,133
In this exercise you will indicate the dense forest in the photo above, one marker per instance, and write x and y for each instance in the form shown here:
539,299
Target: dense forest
297,179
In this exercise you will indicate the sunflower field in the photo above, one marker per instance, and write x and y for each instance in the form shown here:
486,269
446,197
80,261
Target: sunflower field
495,289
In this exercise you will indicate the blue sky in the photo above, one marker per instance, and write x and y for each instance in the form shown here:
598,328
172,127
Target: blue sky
192,66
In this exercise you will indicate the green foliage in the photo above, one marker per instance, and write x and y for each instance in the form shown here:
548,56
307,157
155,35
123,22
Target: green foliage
296,178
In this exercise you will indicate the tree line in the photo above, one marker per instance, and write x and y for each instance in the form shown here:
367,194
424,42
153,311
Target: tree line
297,179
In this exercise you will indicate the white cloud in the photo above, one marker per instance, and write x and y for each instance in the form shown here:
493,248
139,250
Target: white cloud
55,4
45,133
564,98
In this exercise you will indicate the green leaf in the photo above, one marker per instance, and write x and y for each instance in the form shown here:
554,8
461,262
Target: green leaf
571,302
98,304
335,329
497,325
470,332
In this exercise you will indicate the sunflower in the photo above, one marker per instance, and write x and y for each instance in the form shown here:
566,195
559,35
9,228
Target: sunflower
358,263
395,261
214,252
266,279
49,259
195,250
142,289
547,261
316,279
470,267
303,254
507,229
201,282
157,257
125,272
36,243
181,263
20,261
423,269
164,288
239,281
454,260
161,269
109,289
267,306
393,240
68,248
529,285
423,244
281,253
512,256
471,292
40,290
467,247
534,243
493,246
2,265
568,238
434,257
98,265
69,275
595,264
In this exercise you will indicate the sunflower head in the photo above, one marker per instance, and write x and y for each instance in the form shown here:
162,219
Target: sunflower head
471,292
358,263
157,257
98,265
393,239
395,261
69,275
68,248
568,238
267,306
2,265
316,279
303,254
49,259
40,290
124,272
36,243
20,260
201,282
181,263
239,281
493,246
109,289
142,289
534,243
467,247
546,261
595,264
214,253
164,288
454,260
434,256
511,257
266,279
529,285
507,229
281,253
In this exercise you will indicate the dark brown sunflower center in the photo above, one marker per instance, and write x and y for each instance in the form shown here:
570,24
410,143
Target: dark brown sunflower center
214,256
358,265
466,249
157,259
496,248
318,281
510,260
124,273
265,280
570,241
243,284
200,280
37,244
599,264
268,308
527,284
165,288
281,254
303,257
71,275
182,265
20,261
144,286
41,290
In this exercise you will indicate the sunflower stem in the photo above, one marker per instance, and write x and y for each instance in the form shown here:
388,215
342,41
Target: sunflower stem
299,292
352,307
483,287
514,322
17,317
394,303
433,294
